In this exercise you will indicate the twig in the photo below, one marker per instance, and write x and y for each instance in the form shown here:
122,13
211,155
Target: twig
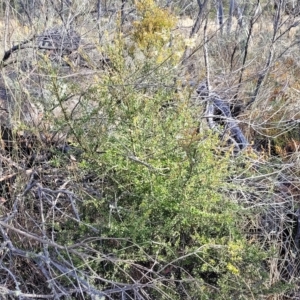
137,160
11,163
36,238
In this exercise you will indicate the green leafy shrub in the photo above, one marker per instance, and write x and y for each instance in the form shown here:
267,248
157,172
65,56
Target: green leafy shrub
164,192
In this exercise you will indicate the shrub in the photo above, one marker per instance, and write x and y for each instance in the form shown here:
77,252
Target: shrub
151,31
164,193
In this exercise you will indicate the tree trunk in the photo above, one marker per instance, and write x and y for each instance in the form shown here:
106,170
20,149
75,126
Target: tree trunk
202,7
230,14
220,15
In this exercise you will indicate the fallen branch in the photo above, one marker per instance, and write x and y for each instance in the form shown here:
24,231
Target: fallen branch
13,49
219,109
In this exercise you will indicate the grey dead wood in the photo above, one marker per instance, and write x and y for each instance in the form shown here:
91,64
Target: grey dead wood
220,112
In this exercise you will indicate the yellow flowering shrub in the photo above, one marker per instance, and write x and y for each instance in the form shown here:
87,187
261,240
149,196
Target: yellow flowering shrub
154,26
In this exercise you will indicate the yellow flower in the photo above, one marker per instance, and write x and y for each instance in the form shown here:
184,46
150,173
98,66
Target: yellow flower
233,269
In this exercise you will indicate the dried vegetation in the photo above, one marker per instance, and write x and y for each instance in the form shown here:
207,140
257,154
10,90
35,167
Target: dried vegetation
148,151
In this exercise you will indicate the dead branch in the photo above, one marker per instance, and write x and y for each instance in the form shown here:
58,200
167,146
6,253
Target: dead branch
15,48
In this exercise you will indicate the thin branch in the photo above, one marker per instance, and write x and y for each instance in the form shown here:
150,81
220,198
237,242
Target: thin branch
9,52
